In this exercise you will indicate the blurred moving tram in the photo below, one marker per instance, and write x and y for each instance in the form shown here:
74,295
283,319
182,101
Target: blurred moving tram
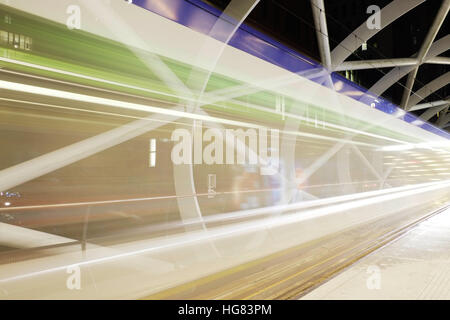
87,175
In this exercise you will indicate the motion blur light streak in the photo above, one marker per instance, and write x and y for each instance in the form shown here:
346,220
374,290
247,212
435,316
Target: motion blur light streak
211,98
116,103
90,119
234,230
34,66
244,213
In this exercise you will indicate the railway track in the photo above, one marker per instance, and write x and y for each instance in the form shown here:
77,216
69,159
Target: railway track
292,273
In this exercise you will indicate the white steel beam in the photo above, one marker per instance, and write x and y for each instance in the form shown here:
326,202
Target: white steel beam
390,13
438,60
320,22
426,45
377,63
397,73
388,63
429,105
444,119
429,88
428,114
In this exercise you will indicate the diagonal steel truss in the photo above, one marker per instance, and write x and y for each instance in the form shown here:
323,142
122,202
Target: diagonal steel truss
428,53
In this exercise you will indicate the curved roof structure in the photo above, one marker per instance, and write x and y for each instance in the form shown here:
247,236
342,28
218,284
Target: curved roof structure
432,51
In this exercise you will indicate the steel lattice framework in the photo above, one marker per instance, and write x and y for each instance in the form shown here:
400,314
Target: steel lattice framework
429,53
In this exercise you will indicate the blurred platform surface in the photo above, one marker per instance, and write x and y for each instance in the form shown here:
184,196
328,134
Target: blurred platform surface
415,266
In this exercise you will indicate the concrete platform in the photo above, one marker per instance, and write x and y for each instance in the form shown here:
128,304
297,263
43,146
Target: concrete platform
415,266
